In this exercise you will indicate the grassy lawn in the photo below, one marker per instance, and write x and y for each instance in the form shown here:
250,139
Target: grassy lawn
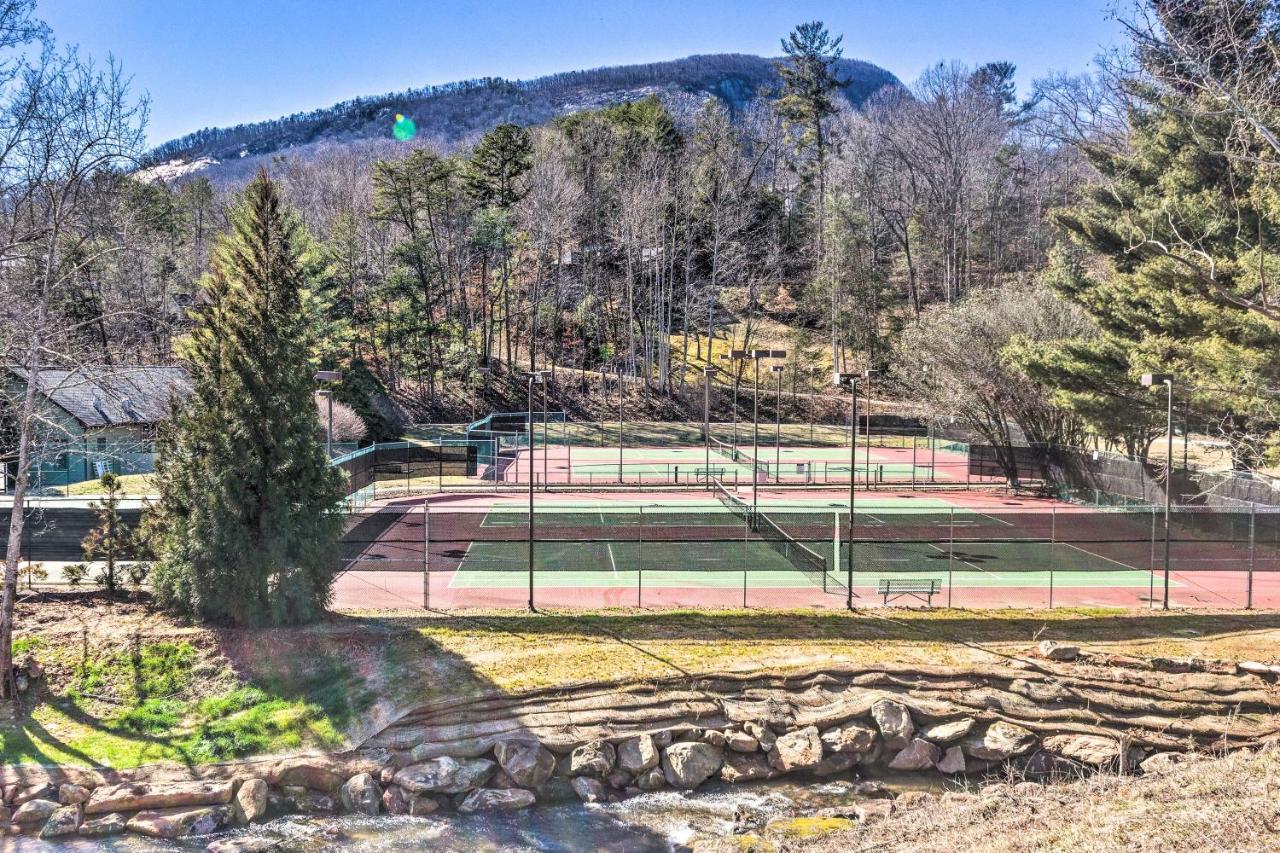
125,685
133,485
516,651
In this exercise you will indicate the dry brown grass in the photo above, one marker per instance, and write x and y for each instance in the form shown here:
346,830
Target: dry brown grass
1225,803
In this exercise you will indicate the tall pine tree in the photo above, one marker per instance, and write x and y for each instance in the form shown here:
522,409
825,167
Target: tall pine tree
246,527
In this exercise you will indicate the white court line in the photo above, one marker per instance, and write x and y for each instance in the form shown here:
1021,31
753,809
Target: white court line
609,547
461,563
1100,557
951,556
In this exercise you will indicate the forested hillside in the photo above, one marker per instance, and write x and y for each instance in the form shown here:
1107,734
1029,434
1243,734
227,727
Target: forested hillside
457,112
998,260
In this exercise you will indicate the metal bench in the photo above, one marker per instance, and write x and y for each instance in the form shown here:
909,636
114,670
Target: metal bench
923,589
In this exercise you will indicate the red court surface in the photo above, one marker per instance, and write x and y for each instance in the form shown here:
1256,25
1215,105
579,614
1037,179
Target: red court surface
681,549
603,465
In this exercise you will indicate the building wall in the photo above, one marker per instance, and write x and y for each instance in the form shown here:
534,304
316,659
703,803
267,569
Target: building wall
71,450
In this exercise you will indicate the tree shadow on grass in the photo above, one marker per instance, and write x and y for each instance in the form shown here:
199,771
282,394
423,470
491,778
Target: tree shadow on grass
874,626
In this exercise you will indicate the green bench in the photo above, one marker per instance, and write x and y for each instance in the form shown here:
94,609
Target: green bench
923,589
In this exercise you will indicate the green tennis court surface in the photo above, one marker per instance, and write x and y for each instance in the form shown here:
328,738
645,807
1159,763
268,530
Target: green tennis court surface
504,565
711,512
600,463
722,563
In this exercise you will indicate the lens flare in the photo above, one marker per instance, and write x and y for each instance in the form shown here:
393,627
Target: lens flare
404,129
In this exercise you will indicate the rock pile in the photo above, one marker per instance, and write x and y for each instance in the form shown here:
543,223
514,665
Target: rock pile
610,742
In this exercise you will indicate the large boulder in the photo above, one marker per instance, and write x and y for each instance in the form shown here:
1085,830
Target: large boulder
38,791
1165,762
952,761
895,723
528,763
741,741
745,767
999,741
101,827
638,754
652,780
1059,651
1094,750
70,795
421,805
920,754
315,772
306,801
360,794
394,802
798,750
762,733
445,775
949,731
688,765
34,811
63,821
836,762
146,796
589,789
856,738
592,759
496,800
179,823
251,800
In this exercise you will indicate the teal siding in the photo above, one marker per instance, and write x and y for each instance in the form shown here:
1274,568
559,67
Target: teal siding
71,451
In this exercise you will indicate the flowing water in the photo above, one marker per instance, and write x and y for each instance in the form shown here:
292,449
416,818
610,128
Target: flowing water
657,821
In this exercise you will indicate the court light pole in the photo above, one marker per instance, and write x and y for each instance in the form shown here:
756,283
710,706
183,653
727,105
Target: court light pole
619,423
1151,380
707,372
735,355
851,381
544,428
328,376
755,355
535,378
866,379
777,427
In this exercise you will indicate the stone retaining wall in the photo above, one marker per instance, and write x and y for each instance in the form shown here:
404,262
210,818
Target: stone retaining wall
1036,717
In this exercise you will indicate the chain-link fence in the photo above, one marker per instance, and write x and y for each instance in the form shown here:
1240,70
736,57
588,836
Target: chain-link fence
724,555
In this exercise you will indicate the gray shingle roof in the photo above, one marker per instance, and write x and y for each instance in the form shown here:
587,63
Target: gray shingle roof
106,396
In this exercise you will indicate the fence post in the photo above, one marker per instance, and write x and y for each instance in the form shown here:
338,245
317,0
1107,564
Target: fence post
1053,540
426,556
951,554
1248,599
1151,579
640,562
933,455
913,461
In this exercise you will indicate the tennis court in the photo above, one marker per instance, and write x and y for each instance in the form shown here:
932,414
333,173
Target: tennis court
591,465
694,550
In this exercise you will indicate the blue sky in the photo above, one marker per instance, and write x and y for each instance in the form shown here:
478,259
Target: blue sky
217,62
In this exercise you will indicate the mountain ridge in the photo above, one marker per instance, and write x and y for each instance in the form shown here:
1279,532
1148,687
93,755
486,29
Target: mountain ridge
452,113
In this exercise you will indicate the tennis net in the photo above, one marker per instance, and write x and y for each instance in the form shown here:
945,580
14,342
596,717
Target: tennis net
756,465
805,560
736,505
724,448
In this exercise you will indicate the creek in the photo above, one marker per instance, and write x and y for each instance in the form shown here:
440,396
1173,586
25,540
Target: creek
648,823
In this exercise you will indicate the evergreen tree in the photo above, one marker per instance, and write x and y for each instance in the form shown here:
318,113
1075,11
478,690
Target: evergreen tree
1172,259
246,525
109,540
497,163
809,84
